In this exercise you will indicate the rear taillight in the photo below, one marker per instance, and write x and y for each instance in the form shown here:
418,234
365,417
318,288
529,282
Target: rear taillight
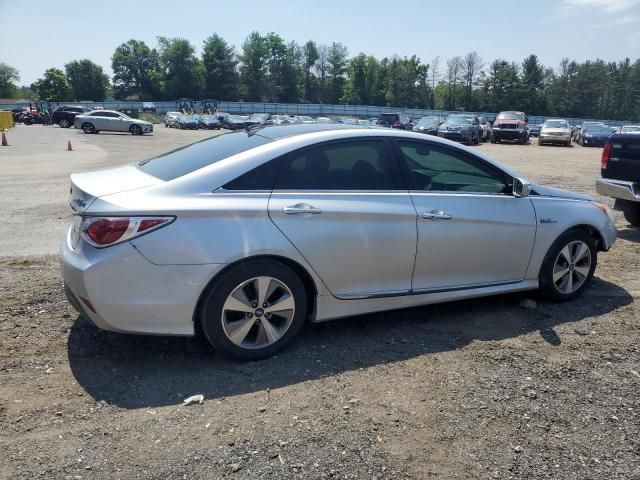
397,122
106,231
606,154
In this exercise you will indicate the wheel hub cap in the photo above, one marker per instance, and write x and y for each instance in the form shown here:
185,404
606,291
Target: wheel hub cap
571,267
253,328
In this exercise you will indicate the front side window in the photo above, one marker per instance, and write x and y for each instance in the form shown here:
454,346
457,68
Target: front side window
357,165
439,169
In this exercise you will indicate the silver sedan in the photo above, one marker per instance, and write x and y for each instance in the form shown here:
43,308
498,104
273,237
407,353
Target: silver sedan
111,121
248,235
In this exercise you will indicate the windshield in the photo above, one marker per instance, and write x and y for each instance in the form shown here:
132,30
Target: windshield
177,163
510,116
428,121
598,129
258,117
556,124
208,117
460,119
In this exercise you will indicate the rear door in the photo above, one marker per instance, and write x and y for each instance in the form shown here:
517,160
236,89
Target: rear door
471,231
344,208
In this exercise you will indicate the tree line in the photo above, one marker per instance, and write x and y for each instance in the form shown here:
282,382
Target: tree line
267,68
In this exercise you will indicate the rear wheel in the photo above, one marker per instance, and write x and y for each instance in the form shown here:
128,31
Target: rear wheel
88,128
568,267
254,310
64,123
631,211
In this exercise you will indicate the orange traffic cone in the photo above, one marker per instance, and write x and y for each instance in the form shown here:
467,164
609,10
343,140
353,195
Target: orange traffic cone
4,140
69,148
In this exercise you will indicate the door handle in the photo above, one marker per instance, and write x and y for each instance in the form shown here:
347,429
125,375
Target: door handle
301,209
436,215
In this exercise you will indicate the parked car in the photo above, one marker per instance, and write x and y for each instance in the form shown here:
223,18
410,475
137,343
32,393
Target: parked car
595,136
428,125
65,116
620,174
555,130
306,119
234,122
314,228
395,120
282,119
209,122
148,107
534,129
510,126
630,129
171,119
461,127
373,120
585,126
259,119
323,120
188,122
364,123
112,121
485,128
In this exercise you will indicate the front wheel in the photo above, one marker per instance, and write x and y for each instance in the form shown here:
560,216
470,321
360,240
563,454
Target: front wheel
254,310
569,266
135,130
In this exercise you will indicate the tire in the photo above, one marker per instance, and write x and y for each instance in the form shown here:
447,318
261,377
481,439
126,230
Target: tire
219,324
64,123
492,139
577,268
631,213
135,129
540,142
88,128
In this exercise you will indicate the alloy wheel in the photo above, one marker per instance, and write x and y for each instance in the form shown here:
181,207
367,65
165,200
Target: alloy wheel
258,312
571,267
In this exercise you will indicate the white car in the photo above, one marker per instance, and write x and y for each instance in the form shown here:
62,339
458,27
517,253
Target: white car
171,119
630,129
111,121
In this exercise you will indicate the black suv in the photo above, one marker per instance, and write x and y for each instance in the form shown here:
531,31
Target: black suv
395,120
66,115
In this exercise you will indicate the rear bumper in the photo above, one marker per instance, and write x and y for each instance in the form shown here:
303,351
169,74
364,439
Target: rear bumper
618,189
128,293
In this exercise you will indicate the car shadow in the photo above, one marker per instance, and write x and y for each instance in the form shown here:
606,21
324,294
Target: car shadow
629,233
133,371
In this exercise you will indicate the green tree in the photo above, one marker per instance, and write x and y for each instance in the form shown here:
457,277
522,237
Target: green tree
182,69
220,69
54,86
136,71
8,76
87,79
310,57
253,67
501,87
337,62
532,81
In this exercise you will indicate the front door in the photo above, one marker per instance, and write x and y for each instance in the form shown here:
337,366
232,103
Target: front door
341,205
471,230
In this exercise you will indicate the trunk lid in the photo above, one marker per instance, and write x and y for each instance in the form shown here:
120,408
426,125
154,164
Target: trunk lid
86,187
624,160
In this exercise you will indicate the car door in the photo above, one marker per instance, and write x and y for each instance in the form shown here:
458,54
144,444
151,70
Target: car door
471,230
343,206
120,123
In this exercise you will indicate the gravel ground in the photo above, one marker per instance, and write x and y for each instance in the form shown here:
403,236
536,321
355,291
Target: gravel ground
471,390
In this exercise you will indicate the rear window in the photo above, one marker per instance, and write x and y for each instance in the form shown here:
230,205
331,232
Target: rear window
182,161
389,117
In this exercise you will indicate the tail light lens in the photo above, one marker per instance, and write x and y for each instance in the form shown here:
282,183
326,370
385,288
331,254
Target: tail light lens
397,122
606,154
107,231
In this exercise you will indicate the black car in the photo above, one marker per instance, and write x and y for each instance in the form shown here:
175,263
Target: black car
461,127
259,119
395,120
428,125
595,136
188,122
234,122
66,115
209,122
534,130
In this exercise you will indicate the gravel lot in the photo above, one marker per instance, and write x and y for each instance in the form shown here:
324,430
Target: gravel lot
470,390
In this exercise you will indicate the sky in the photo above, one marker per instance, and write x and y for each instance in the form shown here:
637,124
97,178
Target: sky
39,34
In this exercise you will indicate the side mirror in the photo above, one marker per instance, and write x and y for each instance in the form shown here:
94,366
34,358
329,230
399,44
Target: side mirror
521,188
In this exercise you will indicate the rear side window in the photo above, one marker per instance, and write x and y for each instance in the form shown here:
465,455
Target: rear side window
182,161
359,165
260,178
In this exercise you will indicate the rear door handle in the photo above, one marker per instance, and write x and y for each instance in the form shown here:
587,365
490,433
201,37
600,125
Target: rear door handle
436,215
301,209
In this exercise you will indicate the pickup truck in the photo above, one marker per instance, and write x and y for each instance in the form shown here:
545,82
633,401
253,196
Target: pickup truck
620,174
